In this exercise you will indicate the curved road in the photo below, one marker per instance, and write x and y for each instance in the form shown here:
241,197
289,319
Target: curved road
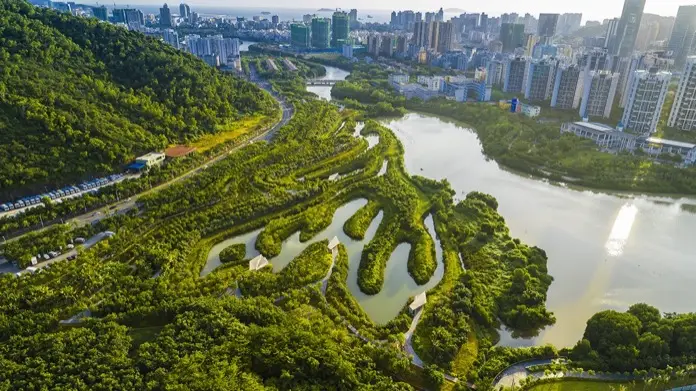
125,205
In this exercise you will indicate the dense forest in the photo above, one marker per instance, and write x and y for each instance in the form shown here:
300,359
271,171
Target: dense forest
80,98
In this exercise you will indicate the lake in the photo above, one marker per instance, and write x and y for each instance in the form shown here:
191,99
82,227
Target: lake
605,251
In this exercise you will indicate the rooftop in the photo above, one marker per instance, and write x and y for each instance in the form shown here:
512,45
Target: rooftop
178,151
595,126
673,143
334,242
258,263
418,302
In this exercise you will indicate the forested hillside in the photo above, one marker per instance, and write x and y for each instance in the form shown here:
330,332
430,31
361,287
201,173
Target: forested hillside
80,97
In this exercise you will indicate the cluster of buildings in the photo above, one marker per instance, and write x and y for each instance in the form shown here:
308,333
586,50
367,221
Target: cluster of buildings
215,50
323,33
615,140
459,88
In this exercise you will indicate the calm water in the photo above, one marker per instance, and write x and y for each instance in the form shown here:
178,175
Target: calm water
605,251
332,73
398,284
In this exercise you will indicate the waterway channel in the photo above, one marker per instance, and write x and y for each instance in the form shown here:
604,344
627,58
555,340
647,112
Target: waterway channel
398,284
606,251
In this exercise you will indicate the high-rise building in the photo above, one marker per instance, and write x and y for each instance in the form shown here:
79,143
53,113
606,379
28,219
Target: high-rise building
483,23
612,29
401,45
275,20
646,96
495,70
374,43
512,36
565,87
165,16
421,34
598,94
353,15
569,23
307,18
131,17
647,35
440,16
515,75
100,13
185,11
434,43
321,33
444,39
539,80
386,46
171,37
340,29
683,42
683,114
627,29
193,18
548,24
299,35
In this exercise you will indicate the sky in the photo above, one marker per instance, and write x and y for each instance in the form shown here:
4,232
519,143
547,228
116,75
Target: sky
591,9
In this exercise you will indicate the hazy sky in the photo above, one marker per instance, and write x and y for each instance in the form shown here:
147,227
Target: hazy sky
591,9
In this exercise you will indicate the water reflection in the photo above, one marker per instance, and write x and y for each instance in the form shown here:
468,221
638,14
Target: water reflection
621,230
651,237
398,284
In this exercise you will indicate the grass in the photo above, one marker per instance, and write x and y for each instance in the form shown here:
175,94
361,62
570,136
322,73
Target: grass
229,132
579,385
466,356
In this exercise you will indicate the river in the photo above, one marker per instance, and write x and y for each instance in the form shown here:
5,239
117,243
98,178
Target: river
332,73
605,251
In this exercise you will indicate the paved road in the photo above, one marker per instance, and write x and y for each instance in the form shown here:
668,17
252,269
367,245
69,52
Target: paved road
124,206
88,244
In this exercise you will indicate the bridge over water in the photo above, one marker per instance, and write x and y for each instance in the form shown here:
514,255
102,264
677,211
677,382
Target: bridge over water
323,82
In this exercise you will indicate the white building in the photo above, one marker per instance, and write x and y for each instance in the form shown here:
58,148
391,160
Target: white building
151,159
598,94
605,136
334,243
683,114
432,83
398,78
258,263
646,96
418,302
656,147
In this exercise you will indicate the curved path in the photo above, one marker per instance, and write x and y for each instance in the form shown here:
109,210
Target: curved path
123,206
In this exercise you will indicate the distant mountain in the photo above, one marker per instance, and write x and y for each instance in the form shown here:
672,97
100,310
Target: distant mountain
80,98
325,10
454,10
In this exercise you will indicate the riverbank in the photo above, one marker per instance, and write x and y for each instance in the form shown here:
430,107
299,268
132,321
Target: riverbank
525,145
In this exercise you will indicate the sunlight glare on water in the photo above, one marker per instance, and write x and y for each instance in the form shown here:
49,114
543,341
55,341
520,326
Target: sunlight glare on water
621,230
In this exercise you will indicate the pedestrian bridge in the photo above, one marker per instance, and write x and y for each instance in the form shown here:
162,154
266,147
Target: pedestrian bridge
322,82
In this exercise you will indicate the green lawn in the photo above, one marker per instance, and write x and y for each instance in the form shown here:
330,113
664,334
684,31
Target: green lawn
575,385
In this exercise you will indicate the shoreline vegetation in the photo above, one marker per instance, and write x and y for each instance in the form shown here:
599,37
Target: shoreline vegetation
133,311
519,143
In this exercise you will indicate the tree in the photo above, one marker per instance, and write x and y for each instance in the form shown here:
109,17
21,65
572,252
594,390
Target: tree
645,313
610,329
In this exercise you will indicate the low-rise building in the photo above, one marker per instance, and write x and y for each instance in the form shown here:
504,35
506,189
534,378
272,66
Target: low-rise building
657,147
605,136
148,161
398,78
530,110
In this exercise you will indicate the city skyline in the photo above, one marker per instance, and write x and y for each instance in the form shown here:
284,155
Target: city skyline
591,9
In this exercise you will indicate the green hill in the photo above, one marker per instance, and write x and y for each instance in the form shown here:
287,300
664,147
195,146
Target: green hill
79,97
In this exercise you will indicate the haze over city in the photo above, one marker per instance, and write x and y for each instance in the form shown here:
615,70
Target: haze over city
591,9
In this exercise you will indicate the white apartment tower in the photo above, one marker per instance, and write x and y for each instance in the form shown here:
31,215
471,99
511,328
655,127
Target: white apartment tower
683,114
646,96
